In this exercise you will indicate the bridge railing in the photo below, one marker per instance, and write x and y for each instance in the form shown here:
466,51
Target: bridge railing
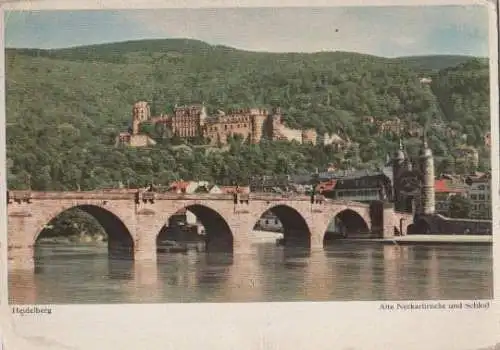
144,195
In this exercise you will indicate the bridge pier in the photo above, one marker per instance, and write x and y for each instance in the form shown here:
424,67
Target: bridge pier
145,249
317,241
382,219
21,233
245,280
21,257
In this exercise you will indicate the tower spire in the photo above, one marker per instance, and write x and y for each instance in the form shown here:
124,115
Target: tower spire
424,135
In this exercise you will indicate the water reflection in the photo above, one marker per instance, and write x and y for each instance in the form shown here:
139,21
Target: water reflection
120,269
344,271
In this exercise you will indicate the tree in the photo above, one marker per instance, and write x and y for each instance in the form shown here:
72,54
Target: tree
460,207
61,136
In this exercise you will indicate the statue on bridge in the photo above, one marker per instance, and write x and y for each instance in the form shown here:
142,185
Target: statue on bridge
383,192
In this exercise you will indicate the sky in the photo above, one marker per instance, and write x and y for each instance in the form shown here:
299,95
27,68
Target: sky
382,31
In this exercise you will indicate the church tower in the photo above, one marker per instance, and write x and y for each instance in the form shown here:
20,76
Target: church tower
398,166
428,200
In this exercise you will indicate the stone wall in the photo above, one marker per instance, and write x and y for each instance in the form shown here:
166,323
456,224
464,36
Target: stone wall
438,224
141,140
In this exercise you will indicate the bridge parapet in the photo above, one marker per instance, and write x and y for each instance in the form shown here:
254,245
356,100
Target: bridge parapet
19,196
146,196
277,197
348,203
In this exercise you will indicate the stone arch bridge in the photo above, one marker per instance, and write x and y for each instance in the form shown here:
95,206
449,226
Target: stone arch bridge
133,219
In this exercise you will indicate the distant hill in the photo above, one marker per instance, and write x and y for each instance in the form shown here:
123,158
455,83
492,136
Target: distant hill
65,107
119,51
435,62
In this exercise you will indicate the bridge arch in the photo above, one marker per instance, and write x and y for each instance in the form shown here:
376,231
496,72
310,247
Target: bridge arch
295,228
120,238
216,235
348,222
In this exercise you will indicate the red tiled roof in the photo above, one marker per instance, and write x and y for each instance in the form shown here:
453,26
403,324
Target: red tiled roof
179,185
446,186
326,186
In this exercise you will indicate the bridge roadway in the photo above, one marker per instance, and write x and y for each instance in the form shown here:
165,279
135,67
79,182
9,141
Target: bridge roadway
133,219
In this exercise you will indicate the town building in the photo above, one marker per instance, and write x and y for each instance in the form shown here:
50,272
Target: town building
408,183
360,186
445,188
270,183
480,195
269,222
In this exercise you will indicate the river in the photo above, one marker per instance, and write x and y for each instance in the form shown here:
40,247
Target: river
345,271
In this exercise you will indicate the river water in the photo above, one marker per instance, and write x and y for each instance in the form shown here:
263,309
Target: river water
345,271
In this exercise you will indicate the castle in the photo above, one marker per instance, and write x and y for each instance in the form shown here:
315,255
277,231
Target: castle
189,122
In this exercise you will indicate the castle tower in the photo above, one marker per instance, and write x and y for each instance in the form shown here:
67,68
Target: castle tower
428,200
257,119
140,113
275,123
203,114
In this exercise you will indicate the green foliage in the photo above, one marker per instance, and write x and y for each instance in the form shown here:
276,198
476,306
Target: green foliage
460,207
65,107
73,222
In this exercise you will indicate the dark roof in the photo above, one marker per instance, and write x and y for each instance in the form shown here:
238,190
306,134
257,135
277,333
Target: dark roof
350,174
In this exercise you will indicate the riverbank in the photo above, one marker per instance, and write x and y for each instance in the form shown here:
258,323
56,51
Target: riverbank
77,239
428,240
265,236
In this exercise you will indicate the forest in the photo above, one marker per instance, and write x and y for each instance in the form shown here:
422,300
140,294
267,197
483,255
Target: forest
65,108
